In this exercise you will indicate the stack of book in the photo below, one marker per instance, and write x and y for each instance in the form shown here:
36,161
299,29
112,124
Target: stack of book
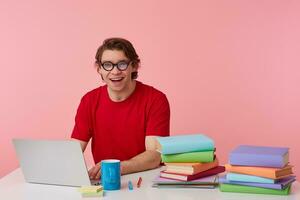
258,169
188,158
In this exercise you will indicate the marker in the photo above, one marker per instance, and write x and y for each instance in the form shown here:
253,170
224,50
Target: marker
139,182
130,187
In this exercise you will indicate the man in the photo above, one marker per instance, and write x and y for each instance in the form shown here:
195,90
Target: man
123,117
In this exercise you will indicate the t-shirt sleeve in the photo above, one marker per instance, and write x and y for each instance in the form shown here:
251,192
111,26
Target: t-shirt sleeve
158,122
83,121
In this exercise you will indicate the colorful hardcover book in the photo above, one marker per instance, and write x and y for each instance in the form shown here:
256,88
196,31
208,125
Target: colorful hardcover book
267,172
279,185
185,143
190,168
260,156
209,180
202,186
200,156
183,177
248,178
255,190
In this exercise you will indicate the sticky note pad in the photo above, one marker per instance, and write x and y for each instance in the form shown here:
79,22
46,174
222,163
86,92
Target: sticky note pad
90,189
96,194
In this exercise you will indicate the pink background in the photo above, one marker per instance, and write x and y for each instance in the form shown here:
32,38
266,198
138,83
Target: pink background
230,69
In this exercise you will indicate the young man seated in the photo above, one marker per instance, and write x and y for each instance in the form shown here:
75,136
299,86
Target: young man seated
122,118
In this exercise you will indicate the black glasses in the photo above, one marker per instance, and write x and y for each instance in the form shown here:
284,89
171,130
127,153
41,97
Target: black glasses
109,66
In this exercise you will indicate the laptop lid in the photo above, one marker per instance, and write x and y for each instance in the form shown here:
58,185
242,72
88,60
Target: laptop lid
58,162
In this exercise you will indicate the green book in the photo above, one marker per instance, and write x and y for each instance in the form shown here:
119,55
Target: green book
201,156
254,190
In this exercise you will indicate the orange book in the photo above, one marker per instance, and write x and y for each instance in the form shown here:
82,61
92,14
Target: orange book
190,168
267,172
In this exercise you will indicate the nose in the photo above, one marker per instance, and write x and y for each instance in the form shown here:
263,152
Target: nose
115,70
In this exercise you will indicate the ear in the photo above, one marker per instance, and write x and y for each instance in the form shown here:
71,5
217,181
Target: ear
134,68
101,77
99,71
96,65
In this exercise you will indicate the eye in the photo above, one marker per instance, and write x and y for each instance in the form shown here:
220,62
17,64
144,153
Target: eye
107,65
122,65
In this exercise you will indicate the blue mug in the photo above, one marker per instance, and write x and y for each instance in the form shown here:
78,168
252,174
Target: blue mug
111,174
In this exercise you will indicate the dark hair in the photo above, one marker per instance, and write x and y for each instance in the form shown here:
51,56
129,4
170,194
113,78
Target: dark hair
119,44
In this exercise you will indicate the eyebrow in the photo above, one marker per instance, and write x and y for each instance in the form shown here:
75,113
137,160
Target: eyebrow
123,60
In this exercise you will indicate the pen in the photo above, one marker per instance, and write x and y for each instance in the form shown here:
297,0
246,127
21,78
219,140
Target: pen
130,187
139,182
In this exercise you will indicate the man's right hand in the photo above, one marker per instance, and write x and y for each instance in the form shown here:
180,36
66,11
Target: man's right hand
95,172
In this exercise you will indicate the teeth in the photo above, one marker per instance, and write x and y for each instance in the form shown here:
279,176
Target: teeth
116,79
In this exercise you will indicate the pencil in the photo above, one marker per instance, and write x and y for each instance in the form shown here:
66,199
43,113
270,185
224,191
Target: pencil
130,187
139,182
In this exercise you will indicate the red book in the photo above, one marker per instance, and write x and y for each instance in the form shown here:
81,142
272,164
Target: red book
183,177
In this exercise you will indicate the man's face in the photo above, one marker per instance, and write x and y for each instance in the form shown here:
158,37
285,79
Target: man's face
116,80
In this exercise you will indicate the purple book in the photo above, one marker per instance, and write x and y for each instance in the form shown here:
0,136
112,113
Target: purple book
259,156
205,180
279,185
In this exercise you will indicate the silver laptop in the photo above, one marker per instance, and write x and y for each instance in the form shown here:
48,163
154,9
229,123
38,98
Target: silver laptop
58,162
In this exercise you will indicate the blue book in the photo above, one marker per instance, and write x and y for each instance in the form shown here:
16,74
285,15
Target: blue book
261,156
280,185
248,178
185,143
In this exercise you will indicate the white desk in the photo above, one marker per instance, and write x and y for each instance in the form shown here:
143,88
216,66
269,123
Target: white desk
13,187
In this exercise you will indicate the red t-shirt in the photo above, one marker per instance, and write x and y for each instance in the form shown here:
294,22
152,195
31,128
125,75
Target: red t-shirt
118,129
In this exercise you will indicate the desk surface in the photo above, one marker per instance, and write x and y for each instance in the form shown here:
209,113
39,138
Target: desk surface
14,187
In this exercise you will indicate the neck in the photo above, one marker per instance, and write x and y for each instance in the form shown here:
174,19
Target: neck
118,96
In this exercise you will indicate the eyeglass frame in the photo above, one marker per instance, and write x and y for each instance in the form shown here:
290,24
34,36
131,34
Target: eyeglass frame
116,65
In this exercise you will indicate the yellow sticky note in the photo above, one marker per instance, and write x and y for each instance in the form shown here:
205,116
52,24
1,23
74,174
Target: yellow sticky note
92,189
97,194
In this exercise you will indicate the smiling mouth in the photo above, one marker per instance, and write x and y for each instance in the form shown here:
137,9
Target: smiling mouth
116,79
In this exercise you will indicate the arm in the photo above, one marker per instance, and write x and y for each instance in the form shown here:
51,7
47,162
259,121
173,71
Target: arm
149,159
94,172
83,144
159,124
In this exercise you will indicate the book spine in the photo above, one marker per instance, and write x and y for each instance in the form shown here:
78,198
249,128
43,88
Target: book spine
181,178
256,160
266,173
248,178
174,149
183,144
254,190
193,157
262,185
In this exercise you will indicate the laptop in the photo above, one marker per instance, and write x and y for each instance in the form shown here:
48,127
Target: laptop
57,162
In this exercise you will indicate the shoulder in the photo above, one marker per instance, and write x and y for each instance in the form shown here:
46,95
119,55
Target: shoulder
151,95
150,91
92,95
